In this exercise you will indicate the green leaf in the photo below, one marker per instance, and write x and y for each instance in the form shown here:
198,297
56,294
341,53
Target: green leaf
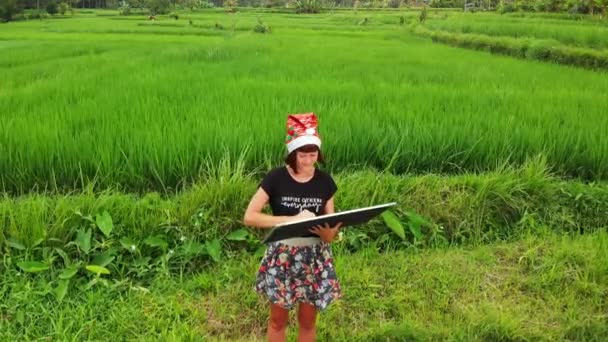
85,217
260,251
97,269
104,258
414,223
142,261
83,240
32,266
415,230
214,248
192,248
156,241
89,285
417,219
69,272
238,235
63,255
128,244
392,221
16,244
37,242
104,222
62,289
140,288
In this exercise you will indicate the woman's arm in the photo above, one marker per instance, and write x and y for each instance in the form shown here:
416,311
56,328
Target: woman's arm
255,218
329,206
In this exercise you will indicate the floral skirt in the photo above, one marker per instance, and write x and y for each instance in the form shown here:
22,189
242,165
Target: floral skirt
291,274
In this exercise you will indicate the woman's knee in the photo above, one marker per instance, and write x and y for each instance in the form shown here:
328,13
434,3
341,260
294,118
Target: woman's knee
278,317
307,316
278,323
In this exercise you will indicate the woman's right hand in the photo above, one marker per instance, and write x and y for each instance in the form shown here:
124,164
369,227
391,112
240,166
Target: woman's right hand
304,214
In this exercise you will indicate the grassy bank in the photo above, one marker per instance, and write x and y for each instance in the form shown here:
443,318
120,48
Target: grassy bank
544,287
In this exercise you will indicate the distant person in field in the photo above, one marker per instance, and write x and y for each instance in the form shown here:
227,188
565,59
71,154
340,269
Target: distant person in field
297,271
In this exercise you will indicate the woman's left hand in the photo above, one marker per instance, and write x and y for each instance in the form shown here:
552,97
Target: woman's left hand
326,233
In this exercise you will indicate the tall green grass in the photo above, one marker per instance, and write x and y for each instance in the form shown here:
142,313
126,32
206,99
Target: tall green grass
465,209
146,107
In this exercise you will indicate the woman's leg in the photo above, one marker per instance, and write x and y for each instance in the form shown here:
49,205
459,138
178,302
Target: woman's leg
307,317
277,323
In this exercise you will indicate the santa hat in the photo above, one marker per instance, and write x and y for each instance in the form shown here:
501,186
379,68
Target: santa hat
302,130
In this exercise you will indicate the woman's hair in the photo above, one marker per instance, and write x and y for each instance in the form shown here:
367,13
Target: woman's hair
292,158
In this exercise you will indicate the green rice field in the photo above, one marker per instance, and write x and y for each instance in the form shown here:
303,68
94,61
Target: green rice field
580,33
127,102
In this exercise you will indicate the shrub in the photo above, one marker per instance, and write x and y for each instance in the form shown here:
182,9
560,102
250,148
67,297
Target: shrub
10,9
260,27
51,8
63,8
308,6
124,9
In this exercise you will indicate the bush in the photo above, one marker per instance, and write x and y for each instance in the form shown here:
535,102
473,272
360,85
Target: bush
260,27
393,3
231,6
124,9
273,3
524,5
159,6
63,8
51,8
548,5
423,14
19,17
37,15
505,7
9,9
308,6
205,4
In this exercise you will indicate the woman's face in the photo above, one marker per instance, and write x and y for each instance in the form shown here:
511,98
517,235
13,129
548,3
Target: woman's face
306,160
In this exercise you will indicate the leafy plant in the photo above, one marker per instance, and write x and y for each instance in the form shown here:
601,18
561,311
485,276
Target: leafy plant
92,254
260,27
308,6
231,6
423,15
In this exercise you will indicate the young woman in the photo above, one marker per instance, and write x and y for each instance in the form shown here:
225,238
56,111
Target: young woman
297,271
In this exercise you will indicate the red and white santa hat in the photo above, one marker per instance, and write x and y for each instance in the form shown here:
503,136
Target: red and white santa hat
302,130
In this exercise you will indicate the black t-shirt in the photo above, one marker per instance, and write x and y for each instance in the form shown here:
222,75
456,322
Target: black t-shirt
288,197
